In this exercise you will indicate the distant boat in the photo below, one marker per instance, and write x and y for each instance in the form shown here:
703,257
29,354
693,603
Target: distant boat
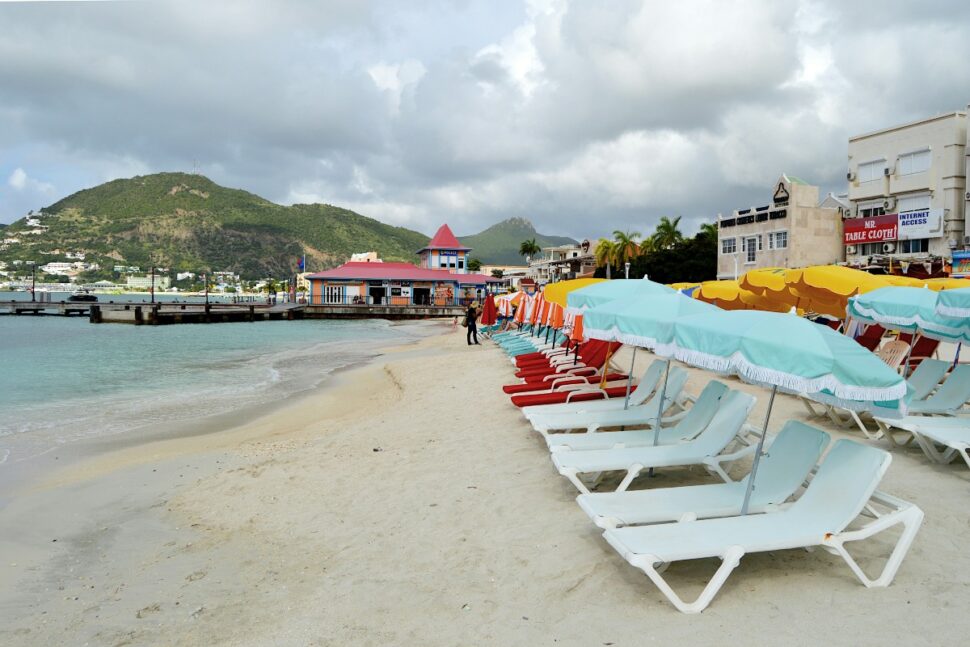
82,296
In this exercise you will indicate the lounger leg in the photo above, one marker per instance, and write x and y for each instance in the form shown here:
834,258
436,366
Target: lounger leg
871,435
573,476
811,410
631,474
729,561
911,518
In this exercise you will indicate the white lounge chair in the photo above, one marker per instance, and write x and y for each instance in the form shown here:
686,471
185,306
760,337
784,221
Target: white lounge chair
953,434
843,488
950,399
638,395
706,449
784,468
633,416
684,425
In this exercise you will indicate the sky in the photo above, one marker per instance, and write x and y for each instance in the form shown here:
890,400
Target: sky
582,116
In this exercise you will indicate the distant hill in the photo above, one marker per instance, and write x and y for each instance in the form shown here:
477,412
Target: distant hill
499,244
191,223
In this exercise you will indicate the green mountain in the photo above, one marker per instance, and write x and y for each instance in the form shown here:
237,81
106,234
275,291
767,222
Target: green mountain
187,222
499,244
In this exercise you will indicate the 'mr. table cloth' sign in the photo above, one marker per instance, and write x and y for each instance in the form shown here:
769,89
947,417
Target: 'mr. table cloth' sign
875,229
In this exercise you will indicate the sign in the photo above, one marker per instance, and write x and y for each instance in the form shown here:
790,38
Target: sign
445,252
875,229
585,246
961,264
781,194
922,223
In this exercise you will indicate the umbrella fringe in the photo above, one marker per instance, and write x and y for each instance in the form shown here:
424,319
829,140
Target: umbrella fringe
737,363
953,311
929,328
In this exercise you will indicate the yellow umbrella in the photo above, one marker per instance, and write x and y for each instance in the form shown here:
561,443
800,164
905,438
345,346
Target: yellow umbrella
946,284
904,281
827,288
683,286
556,292
766,279
724,294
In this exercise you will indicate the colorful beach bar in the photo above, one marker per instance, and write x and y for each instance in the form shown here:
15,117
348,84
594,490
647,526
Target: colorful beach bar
439,279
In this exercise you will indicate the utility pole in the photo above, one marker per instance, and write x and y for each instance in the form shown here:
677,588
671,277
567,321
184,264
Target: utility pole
153,282
33,281
205,279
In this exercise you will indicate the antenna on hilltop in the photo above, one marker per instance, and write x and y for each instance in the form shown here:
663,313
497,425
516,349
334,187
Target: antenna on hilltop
195,167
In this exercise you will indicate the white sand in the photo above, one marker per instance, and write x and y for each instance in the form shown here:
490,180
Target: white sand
293,530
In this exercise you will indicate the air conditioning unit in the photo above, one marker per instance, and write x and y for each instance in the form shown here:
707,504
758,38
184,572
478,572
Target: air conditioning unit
850,249
885,171
889,248
967,195
889,203
966,240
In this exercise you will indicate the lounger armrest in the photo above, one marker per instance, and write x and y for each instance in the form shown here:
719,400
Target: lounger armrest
601,392
582,370
566,381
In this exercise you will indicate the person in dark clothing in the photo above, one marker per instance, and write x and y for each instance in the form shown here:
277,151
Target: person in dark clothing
470,322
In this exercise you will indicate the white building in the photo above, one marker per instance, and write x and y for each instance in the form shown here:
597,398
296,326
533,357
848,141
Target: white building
365,257
62,269
906,193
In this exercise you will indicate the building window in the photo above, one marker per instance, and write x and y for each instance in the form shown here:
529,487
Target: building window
917,162
913,203
867,209
778,240
914,246
461,263
871,170
750,249
869,249
729,246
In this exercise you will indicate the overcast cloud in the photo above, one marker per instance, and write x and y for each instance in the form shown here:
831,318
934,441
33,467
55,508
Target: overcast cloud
582,116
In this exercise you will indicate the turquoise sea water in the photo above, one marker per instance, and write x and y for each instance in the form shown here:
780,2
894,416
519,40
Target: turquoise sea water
63,379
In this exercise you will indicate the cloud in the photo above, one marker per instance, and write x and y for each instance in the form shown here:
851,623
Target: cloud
584,117
20,181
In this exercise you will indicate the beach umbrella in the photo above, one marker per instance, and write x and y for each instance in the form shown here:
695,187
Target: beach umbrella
724,294
557,292
647,323
954,303
911,310
828,287
792,353
946,283
590,296
488,312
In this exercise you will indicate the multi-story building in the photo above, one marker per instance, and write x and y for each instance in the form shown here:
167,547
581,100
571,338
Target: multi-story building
793,231
563,262
906,194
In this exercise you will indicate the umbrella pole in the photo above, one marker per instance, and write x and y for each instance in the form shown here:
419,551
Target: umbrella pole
629,379
660,410
757,454
606,363
956,356
909,353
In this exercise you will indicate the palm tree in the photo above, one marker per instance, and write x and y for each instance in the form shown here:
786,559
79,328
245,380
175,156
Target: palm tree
529,248
605,254
667,234
625,246
709,231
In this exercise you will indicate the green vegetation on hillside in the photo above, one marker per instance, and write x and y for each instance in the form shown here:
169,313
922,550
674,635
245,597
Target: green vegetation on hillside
188,222
499,244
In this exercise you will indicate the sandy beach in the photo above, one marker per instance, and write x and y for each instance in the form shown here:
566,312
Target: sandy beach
408,503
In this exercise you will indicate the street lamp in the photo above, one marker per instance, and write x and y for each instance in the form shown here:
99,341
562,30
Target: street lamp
626,270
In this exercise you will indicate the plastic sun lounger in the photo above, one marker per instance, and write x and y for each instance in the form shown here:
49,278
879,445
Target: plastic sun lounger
928,432
784,468
843,489
706,449
638,415
682,426
950,398
638,395
922,382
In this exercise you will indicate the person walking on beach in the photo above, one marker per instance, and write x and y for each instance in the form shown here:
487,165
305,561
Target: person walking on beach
470,318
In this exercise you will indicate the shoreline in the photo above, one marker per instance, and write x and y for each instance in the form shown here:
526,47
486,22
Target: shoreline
44,467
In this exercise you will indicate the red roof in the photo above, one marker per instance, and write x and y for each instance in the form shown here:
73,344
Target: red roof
444,239
398,272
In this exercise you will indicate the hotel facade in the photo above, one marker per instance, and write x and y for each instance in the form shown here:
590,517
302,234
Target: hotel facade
440,278
907,195
794,230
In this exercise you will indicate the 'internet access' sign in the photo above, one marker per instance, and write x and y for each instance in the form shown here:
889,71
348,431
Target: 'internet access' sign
874,229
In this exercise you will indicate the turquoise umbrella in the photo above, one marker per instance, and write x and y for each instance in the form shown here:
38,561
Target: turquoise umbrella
648,322
788,352
912,310
578,301
954,303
